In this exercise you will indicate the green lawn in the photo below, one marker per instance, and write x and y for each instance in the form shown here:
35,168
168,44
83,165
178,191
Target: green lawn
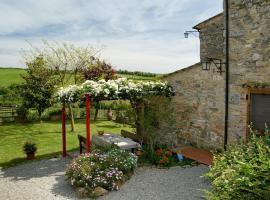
47,136
138,78
9,76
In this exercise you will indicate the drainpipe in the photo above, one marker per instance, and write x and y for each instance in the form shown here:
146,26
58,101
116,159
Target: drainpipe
227,74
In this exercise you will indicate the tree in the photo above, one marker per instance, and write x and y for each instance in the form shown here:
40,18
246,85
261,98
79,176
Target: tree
66,60
99,70
95,71
39,86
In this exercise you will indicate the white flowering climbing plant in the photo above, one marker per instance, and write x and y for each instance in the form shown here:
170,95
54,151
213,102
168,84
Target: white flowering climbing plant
114,89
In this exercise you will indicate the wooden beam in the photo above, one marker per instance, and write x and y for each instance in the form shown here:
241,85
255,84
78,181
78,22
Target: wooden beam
88,121
64,142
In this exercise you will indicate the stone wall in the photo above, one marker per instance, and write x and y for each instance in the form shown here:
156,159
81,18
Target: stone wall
211,38
249,58
200,98
199,106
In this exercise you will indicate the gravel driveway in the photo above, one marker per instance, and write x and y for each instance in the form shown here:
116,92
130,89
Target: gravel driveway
45,180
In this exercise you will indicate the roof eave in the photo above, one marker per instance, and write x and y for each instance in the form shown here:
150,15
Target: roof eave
198,26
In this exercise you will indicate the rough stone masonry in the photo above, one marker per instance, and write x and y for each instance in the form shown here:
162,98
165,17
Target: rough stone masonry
200,98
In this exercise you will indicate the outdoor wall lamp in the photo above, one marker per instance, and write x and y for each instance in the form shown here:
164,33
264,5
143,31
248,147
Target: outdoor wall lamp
206,64
186,34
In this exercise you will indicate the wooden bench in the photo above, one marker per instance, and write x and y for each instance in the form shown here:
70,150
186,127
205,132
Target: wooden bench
199,155
82,143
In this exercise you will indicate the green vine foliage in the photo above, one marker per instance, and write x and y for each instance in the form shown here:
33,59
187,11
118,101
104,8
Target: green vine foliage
159,125
242,172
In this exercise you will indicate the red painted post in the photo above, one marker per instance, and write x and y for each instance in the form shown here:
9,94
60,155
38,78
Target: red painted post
88,121
64,150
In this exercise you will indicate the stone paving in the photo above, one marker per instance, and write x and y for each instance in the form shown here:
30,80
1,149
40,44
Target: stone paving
45,180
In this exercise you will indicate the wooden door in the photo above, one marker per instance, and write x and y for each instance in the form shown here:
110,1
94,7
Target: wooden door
260,111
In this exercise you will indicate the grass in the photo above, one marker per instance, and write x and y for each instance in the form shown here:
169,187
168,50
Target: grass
138,78
10,76
47,136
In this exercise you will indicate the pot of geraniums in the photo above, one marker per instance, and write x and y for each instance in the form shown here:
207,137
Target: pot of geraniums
30,149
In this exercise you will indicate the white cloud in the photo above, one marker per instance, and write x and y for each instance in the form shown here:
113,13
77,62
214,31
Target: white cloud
146,35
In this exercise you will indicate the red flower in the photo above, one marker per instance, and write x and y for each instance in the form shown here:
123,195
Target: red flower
159,152
169,153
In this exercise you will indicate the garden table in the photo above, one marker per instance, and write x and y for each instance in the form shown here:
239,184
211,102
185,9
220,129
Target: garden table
108,139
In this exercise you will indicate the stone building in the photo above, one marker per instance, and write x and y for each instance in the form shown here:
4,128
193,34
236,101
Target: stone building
200,95
249,74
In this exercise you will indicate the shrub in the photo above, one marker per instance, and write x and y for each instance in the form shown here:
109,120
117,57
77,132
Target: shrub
32,115
29,147
46,115
22,113
159,125
100,169
242,172
9,95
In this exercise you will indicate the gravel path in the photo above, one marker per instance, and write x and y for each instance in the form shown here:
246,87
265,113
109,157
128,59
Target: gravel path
45,180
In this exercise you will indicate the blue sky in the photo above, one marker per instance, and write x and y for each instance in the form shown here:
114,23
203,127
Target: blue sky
142,35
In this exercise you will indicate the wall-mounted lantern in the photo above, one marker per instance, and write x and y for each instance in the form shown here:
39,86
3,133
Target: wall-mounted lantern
206,64
186,34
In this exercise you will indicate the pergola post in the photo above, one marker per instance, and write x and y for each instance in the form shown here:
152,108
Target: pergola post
88,121
64,149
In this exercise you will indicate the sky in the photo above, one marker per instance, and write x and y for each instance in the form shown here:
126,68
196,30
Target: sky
136,35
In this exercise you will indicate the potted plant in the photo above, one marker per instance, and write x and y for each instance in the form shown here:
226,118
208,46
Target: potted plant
101,132
30,149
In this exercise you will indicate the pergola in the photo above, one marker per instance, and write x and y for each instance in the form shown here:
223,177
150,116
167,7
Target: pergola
119,89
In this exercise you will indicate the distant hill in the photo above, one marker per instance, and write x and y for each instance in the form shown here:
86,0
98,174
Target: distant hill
10,76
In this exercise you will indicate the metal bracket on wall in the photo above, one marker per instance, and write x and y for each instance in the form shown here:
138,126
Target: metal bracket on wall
206,64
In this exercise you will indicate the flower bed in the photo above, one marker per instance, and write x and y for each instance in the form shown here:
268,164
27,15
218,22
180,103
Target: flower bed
164,157
101,171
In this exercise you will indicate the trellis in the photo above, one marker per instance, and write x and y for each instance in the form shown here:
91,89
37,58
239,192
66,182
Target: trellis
120,89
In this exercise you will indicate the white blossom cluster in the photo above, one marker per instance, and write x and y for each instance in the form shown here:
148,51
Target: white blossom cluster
114,89
68,94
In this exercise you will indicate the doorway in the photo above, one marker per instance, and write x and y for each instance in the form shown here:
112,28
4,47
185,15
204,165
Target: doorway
259,109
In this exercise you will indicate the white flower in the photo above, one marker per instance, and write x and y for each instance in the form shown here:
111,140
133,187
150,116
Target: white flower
118,89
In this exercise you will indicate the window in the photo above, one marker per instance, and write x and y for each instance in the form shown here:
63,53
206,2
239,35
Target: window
260,110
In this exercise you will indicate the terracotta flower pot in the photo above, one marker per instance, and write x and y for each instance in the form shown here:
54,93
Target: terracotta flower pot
30,156
139,152
101,132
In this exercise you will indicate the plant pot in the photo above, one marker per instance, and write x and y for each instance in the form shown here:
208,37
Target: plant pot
101,132
30,156
139,152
